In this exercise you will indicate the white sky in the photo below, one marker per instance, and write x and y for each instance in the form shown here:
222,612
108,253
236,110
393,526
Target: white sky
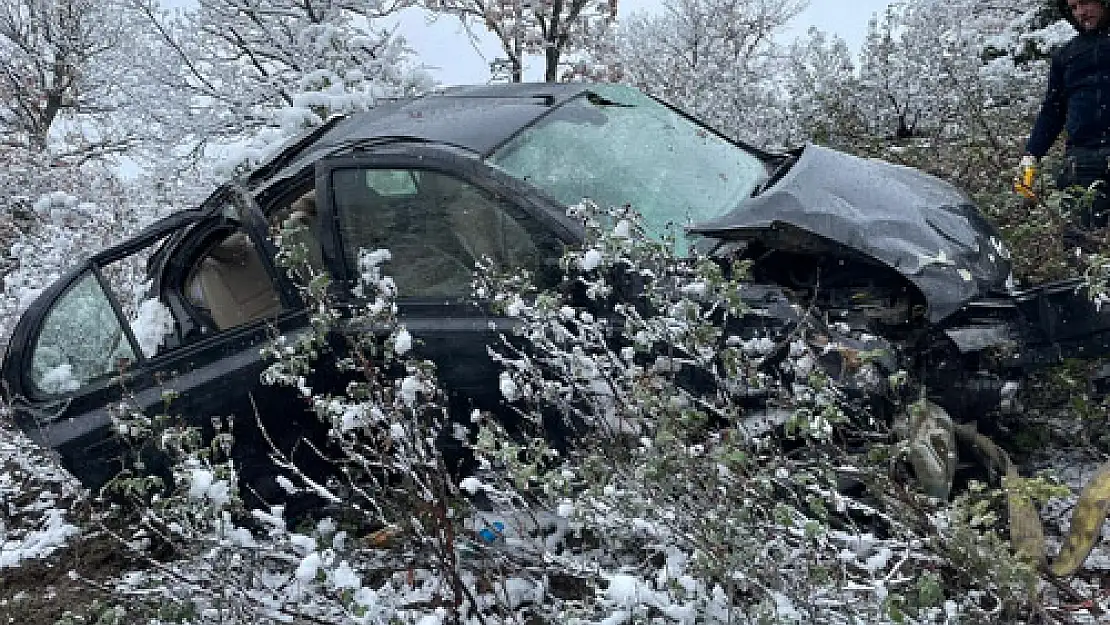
443,45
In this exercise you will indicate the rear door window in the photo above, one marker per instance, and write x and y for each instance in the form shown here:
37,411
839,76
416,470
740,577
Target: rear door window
81,341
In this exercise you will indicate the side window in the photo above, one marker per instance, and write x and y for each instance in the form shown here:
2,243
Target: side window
435,227
84,340
81,340
231,285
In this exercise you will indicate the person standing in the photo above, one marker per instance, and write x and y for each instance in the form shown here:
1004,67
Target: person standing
1078,101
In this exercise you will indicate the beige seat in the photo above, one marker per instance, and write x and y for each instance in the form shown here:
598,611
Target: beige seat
234,284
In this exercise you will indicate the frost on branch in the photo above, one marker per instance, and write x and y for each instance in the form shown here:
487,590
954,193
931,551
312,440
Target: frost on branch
666,424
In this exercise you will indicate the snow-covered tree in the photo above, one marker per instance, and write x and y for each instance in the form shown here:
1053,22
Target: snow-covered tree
554,28
61,73
820,85
241,67
927,63
950,86
716,58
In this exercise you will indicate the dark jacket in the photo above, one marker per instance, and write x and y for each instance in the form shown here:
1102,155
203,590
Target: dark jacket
1078,95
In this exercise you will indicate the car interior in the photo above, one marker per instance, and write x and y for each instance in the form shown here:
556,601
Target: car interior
231,284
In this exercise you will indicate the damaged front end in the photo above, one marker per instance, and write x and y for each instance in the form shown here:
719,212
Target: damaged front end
890,251
880,250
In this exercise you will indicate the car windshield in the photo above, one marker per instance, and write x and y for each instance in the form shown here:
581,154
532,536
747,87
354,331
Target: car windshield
617,146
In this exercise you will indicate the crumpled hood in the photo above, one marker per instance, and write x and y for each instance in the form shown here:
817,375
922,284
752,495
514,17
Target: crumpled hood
922,227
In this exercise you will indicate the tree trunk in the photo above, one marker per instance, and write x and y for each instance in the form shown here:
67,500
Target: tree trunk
551,69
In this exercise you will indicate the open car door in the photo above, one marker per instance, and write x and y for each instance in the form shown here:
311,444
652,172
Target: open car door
170,322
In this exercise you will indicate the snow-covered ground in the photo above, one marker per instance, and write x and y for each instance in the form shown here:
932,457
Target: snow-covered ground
39,520
41,529
37,497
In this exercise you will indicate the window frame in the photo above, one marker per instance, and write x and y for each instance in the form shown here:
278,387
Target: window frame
548,215
169,266
25,339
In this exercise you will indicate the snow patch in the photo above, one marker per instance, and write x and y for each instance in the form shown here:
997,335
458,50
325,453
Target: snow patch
590,260
39,543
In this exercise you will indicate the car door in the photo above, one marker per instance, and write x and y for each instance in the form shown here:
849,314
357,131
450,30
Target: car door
189,345
437,216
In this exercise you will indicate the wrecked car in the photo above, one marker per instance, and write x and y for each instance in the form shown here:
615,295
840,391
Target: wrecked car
444,180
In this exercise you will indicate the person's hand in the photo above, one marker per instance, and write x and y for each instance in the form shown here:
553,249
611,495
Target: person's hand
1027,175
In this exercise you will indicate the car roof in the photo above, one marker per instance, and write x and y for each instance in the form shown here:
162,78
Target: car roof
476,119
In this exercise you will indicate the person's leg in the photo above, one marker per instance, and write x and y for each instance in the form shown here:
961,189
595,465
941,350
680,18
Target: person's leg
1100,203
1088,202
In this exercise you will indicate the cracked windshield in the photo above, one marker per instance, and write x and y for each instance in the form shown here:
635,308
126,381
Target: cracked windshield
607,147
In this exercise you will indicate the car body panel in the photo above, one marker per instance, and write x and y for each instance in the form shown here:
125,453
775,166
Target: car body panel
924,228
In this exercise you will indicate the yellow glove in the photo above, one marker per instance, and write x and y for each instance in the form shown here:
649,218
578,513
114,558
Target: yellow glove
1027,175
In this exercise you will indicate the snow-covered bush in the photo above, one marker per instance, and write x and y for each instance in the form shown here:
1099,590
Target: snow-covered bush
661,455
53,216
373,539
707,472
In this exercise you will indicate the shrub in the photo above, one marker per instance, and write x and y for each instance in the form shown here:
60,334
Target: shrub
666,453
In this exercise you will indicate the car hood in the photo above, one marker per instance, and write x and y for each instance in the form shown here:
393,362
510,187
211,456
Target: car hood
919,225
